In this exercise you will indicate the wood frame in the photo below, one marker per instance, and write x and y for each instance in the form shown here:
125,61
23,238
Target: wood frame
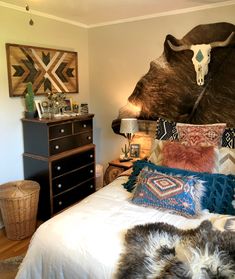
49,70
39,108
69,105
135,150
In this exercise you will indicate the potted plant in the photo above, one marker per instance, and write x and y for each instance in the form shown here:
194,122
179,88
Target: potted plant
29,101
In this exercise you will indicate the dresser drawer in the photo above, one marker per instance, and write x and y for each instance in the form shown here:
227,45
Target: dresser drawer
60,145
61,130
82,126
67,181
83,139
72,162
75,194
63,144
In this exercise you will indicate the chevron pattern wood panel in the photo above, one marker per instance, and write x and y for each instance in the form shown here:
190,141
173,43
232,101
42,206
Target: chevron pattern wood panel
49,70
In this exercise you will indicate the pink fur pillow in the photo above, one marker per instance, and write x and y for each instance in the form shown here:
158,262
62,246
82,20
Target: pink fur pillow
193,158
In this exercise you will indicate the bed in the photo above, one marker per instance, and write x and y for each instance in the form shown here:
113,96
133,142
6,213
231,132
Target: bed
86,240
89,240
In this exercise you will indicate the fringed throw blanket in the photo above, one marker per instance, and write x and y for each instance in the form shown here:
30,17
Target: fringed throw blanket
159,250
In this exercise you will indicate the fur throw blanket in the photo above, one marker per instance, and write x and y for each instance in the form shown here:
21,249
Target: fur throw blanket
159,250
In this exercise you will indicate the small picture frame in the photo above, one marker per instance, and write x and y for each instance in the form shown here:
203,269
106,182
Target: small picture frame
39,108
69,105
135,150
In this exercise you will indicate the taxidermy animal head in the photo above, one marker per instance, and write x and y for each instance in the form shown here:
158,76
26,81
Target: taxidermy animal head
201,55
169,89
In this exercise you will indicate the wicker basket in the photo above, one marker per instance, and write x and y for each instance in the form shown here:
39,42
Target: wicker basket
19,205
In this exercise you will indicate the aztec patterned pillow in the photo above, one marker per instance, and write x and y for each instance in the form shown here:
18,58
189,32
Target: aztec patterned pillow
203,135
178,195
166,130
176,155
219,187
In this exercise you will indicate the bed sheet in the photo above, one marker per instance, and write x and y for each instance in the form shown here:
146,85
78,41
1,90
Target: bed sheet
85,241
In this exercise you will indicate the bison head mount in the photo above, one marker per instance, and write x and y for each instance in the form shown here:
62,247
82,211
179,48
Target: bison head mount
169,89
201,55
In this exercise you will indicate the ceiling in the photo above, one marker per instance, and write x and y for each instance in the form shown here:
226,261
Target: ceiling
90,13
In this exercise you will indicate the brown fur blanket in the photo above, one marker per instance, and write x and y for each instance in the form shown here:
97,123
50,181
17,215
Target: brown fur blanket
159,250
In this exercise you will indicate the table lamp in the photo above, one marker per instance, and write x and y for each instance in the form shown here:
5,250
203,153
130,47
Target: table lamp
129,126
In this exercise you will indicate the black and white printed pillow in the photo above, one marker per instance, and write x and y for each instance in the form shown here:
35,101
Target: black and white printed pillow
166,130
228,138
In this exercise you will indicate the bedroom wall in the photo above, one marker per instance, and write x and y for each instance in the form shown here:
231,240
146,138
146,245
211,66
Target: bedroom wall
120,54
14,28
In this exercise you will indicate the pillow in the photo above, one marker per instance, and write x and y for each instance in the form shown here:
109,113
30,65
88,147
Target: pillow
177,155
166,130
204,135
233,201
228,138
226,160
194,158
156,155
219,188
178,195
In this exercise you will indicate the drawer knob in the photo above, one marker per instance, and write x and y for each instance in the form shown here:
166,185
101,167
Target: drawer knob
89,137
57,147
91,171
84,125
91,155
58,168
62,131
91,186
60,203
59,185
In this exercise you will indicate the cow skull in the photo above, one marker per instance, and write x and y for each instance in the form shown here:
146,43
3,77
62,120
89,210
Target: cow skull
201,55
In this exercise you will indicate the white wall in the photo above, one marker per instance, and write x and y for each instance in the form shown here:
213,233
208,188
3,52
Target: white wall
14,28
120,54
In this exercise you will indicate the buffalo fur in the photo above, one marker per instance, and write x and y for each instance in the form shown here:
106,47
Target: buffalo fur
159,250
169,89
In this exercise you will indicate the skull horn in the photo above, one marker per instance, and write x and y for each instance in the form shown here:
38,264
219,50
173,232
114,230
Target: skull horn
224,43
178,48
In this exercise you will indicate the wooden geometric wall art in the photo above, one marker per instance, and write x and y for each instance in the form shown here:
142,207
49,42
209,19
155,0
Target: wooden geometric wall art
49,70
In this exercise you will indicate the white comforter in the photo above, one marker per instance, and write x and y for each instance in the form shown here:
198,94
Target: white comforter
86,240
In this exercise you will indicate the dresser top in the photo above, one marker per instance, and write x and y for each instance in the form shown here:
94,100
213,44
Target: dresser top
59,119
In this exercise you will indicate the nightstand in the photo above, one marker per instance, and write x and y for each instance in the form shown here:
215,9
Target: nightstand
115,168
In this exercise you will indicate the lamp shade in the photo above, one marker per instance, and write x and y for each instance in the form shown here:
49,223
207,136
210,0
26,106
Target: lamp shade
129,126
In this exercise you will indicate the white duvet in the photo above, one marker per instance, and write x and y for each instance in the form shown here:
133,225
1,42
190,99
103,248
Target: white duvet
86,240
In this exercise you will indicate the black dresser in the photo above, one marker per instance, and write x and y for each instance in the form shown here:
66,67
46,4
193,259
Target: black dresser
60,155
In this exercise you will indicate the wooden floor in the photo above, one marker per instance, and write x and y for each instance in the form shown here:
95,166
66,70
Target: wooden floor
11,248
